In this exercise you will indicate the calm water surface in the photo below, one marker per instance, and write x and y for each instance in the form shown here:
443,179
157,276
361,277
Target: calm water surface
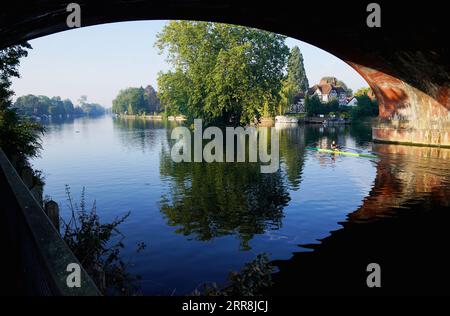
201,221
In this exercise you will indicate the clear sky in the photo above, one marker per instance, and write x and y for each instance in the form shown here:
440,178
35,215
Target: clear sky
100,60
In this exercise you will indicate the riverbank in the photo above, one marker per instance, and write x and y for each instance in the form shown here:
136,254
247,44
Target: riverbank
179,118
290,119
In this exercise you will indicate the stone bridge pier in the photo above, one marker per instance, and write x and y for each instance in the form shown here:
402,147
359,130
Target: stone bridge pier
414,102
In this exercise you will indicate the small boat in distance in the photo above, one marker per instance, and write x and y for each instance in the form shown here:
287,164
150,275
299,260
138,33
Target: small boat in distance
286,119
338,152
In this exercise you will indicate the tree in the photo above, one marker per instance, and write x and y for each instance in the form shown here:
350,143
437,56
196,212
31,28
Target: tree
19,138
78,111
9,67
82,100
132,101
29,105
287,96
68,107
331,106
152,100
44,104
363,91
313,105
296,81
221,72
173,92
86,108
93,109
366,107
57,107
296,74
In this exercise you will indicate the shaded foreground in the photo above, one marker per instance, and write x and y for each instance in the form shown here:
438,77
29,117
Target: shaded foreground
402,225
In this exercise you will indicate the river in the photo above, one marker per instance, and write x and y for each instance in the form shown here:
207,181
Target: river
200,221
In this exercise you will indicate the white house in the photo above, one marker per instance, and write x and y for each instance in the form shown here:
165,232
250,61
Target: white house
327,92
299,104
352,101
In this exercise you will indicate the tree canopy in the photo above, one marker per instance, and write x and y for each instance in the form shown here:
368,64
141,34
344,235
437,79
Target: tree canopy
366,106
32,105
221,72
295,82
296,73
136,101
19,138
363,91
314,106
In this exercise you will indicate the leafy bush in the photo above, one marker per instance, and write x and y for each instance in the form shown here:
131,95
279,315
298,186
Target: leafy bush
19,137
366,108
250,281
92,243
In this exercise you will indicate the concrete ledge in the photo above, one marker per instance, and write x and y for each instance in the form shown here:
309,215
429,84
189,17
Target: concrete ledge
41,253
419,137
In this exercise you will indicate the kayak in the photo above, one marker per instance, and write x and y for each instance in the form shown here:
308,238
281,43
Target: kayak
337,152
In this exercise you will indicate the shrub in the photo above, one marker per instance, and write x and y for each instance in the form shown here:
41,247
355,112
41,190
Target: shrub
250,281
92,243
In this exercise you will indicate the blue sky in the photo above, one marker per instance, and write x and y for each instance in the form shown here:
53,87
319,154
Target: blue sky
100,60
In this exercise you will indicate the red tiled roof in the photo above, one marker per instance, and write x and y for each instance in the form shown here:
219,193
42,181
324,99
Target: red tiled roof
325,88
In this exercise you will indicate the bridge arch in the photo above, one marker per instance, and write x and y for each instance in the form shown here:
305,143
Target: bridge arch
405,62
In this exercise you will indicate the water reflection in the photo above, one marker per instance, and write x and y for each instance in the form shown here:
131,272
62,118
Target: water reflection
201,220
206,201
209,200
402,225
140,133
292,152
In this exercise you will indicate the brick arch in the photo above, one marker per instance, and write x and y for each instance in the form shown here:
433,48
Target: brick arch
405,61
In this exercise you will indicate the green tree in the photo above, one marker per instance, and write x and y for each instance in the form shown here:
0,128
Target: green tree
296,81
296,74
68,107
221,72
29,105
152,100
93,109
44,104
331,106
210,200
363,91
366,107
132,101
313,106
287,95
57,107
78,111
173,92
82,100
19,138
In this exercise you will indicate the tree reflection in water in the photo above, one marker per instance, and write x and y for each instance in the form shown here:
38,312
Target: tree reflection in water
209,200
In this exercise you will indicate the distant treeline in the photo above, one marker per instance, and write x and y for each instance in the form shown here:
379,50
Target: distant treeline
136,101
32,105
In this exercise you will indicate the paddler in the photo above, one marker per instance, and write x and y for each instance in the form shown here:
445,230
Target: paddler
334,146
